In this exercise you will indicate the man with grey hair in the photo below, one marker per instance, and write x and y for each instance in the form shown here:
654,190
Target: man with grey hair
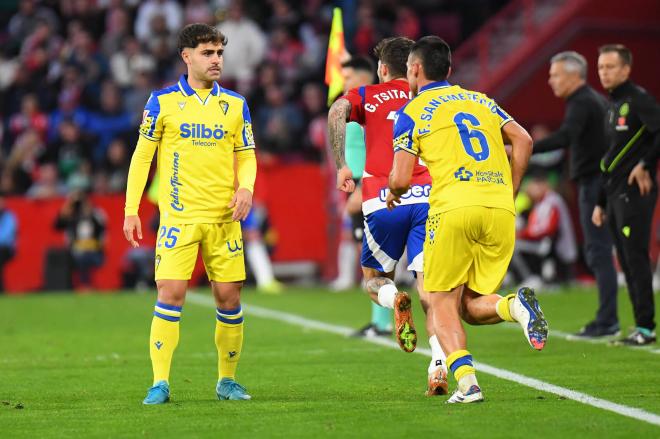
583,132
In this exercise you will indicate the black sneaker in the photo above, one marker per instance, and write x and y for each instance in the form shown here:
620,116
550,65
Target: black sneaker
595,330
370,330
637,338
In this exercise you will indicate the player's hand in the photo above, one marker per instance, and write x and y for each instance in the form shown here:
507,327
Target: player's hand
392,200
345,181
132,223
642,177
598,217
241,203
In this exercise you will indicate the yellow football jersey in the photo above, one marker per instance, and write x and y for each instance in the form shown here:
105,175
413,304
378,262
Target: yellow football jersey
196,140
457,133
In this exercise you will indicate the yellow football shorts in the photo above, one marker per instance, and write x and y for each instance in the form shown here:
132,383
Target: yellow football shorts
222,251
468,245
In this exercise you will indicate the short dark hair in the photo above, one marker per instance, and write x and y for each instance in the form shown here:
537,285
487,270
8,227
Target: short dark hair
361,63
624,53
394,52
434,55
194,34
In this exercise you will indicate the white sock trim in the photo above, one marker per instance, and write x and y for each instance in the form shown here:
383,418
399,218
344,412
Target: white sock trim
438,357
386,295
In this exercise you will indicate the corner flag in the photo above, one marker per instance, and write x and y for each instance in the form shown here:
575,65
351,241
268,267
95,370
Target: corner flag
333,78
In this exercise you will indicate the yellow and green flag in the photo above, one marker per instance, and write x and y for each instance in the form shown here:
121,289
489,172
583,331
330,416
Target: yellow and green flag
333,78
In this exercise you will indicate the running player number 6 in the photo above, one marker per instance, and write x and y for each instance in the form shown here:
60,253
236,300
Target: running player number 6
467,135
170,239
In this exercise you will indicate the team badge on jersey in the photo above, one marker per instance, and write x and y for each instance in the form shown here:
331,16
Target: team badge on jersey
224,105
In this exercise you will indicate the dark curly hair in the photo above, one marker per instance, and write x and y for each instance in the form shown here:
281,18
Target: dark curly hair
194,34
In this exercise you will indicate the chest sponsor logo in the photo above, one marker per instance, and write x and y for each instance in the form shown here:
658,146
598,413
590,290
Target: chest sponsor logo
201,134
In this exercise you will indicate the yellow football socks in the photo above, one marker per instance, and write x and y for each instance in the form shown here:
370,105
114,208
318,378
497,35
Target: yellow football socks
460,363
503,308
163,339
228,340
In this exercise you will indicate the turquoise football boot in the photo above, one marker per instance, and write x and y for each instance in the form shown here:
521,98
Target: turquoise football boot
230,389
158,394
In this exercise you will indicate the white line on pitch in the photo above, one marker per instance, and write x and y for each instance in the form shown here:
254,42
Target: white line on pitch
631,412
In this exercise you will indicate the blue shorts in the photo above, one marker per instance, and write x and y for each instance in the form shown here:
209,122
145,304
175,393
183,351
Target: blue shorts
388,233
253,220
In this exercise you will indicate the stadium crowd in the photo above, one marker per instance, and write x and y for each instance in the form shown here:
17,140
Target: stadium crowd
75,75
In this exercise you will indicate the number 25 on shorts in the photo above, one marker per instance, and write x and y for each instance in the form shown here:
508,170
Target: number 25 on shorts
170,234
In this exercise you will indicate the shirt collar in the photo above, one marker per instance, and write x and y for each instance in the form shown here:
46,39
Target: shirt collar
578,91
187,90
621,90
436,84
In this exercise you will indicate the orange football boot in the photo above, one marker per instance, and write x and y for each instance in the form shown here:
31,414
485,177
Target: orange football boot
406,335
438,384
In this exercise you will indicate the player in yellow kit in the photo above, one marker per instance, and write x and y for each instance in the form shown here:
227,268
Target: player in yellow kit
470,230
197,129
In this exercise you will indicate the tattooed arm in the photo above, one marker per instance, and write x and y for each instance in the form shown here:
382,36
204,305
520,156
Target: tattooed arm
339,114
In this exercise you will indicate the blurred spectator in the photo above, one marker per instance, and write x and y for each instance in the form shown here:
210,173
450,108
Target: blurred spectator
46,184
129,61
160,36
367,33
245,50
8,232
22,163
548,235
407,23
69,150
86,12
268,75
80,50
315,113
30,117
84,225
108,123
115,168
26,19
285,52
117,29
8,68
198,11
279,123
283,15
137,94
169,9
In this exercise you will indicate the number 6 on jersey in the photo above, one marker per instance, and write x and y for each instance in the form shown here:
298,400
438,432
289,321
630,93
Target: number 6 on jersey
467,135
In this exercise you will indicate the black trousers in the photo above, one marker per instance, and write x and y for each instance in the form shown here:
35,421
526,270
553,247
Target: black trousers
598,252
630,215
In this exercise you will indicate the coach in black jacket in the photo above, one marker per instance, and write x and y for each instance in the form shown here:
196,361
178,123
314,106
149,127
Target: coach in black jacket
630,189
583,132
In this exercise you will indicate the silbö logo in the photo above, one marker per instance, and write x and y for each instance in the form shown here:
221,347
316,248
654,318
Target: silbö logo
198,132
175,183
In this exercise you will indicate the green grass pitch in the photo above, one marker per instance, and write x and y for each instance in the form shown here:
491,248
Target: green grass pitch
78,366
